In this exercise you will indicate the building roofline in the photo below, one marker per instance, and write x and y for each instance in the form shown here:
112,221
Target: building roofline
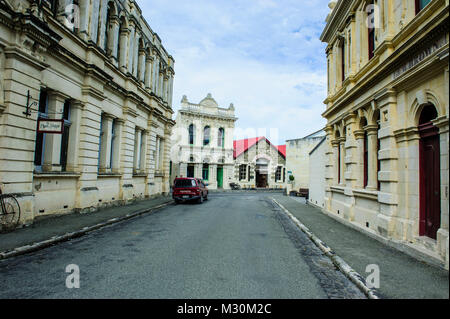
318,144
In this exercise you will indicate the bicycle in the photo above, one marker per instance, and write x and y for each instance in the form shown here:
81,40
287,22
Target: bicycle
9,212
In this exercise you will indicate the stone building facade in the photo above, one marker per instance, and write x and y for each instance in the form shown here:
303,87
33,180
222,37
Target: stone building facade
297,160
259,163
202,142
388,121
99,69
316,185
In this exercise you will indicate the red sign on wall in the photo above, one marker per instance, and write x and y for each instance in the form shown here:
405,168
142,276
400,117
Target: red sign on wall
50,126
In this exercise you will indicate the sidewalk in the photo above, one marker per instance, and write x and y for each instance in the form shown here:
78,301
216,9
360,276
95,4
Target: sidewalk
64,227
401,276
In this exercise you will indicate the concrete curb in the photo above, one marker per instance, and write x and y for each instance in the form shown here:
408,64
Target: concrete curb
72,235
355,277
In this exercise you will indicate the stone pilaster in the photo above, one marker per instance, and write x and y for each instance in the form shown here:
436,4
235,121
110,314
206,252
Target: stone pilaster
52,154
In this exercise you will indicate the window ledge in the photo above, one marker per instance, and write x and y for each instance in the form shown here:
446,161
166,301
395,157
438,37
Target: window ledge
365,193
140,175
106,175
56,174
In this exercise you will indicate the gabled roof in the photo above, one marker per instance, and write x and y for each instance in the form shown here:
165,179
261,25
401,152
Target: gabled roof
241,146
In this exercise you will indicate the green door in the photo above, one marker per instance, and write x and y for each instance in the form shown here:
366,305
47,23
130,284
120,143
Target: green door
219,177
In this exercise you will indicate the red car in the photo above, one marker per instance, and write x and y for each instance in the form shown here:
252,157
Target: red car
187,189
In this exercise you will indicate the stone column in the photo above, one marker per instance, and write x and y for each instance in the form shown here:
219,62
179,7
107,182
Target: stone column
124,34
142,65
76,113
170,99
372,144
137,150
116,163
106,144
351,151
148,72
165,82
136,52
359,136
113,37
198,170
52,150
155,85
160,84
392,221
131,44
342,161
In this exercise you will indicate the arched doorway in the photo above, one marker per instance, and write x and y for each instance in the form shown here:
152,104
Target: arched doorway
429,167
262,173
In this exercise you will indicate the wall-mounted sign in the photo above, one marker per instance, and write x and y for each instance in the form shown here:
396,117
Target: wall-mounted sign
50,126
421,55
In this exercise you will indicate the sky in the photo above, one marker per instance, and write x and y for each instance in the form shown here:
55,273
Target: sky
264,56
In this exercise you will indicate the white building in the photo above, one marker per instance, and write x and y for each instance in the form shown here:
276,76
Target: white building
259,163
297,160
202,143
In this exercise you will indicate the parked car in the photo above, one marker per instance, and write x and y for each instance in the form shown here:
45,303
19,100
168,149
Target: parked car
189,189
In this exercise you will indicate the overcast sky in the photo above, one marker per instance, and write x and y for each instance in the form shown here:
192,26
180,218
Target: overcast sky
264,56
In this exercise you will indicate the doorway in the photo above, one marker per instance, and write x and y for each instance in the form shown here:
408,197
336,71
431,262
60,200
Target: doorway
262,173
429,174
219,177
190,171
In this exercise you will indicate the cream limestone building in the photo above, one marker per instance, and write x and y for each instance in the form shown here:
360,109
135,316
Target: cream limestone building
202,143
99,69
388,121
259,163
297,160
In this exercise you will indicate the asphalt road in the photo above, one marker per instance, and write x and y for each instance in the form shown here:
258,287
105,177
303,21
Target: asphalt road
231,246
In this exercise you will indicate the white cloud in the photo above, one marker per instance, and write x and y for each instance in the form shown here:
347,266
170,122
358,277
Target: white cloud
263,56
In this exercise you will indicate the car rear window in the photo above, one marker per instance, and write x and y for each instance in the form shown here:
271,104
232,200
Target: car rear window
185,183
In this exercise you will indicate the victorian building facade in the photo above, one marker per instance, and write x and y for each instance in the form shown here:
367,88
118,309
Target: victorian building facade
259,163
202,142
388,121
96,68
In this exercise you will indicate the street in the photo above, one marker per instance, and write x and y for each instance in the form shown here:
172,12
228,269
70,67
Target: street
231,246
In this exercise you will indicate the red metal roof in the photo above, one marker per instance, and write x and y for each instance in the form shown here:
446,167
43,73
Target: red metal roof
241,146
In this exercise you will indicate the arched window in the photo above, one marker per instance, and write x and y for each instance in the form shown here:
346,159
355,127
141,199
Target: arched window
206,135
221,138
191,134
